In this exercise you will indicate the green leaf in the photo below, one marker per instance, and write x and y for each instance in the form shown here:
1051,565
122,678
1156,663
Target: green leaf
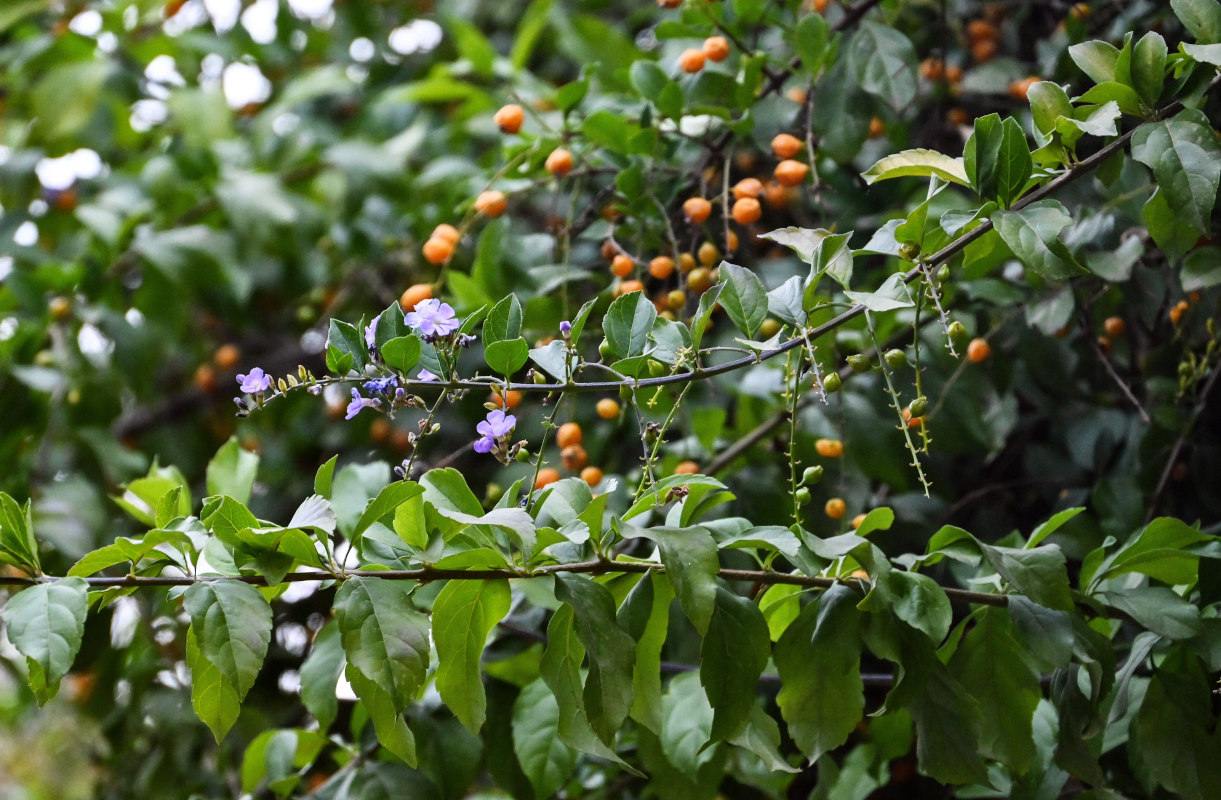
733,655
384,637
1057,520
1033,234
1185,158
646,674
990,664
1014,164
346,340
687,724
216,701
648,79
231,623
1046,633
1096,59
920,602
981,155
703,314
892,294
690,559
917,163
507,357
1173,234
388,499
1201,17
884,63
232,470
1203,53
447,489
1201,269
629,320
761,736
1149,67
503,322
1157,608
811,37
392,731
472,45
612,653
1175,731
1040,573
743,298
464,613
320,674
784,302
546,760
1161,550
948,727
45,623
402,353
822,696
1048,103
322,479
17,545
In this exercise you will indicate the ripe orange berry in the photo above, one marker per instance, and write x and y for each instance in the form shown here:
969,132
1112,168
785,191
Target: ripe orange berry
607,408
797,94
819,6
592,476
627,287
953,74
876,127
414,294
746,211
978,350
984,51
574,457
692,60
829,448
227,356
205,378
731,242
1020,88
1176,313
836,508
699,280
491,203
621,266
437,250
856,523
747,187
979,30
661,267
509,118
512,399
568,434
777,194
909,420
446,233
956,117
609,249
708,254
1114,327
687,468
716,48
786,145
379,429
932,69
546,476
686,262
559,163
1079,11
697,210
790,172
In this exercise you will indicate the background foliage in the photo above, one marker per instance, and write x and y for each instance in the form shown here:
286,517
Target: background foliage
191,189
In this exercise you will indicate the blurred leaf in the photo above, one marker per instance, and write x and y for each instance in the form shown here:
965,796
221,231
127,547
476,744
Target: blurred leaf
884,62
232,471
1202,18
45,623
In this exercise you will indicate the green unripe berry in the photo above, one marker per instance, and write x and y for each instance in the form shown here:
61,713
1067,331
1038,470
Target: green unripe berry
523,455
802,496
494,493
812,475
859,363
896,359
656,369
769,328
908,251
605,351
919,406
958,331
831,383
625,393
943,273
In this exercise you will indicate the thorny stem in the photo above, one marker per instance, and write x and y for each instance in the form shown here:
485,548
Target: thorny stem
932,292
651,455
548,426
794,372
894,402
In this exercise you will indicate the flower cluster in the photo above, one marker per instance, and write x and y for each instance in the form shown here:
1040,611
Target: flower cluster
432,318
494,433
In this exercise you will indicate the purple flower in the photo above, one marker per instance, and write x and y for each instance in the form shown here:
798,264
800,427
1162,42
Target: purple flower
432,318
358,403
425,375
382,385
256,381
497,426
371,333
565,329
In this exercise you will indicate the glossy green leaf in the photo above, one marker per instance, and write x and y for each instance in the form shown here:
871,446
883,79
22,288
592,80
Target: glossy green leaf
384,637
1033,234
503,322
628,323
732,657
389,724
45,623
1185,158
743,298
231,622
1096,59
1158,609
1202,18
17,545
402,353
920,163
1149,67
544,757
921,603
349,342
216,701
232,470
507,357
387,500
463,615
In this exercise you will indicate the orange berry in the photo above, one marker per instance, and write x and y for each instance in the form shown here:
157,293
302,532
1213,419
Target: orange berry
491,203
559,163
379,429
932,69
687,468
414,294
205,378
574,457
791,173
1176,313
676,300
1114,326
227,356
956,117
546,476
876,127
592,476
607,408
909,420
819,6
777,194
627,287
699,280
1020,88
708,254
746,211
829,448
512,399
1194,296
747,187
446,233
509,118
692,60
786,145
979,30
661,267
978,350
686,262
621,266
731,241
797,94
716,48
437,250
836,508
984,51
953,74
568,434
856,523
609,249
697,210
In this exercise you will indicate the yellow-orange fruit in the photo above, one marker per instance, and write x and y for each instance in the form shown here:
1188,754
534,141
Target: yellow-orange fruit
790,172
984,51
676,300
697,210
692,60
953,74
447,233
746,211
627,287
1114,327
856,523
932,69
876,127
559,163
546,477
621,266
509,118
979,30
716,48
836,508
414,294
957,117
708,254
592,476
491,203
511,399
661,267
227,356
686,262
437,250
699,280
686,468
777,194
731,241
1020,88
829,448
607,408
785,145
747,187
978,350
568,434
574,457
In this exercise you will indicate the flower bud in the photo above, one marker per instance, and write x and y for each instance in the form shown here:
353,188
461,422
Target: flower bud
919,406
802,496
812,475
